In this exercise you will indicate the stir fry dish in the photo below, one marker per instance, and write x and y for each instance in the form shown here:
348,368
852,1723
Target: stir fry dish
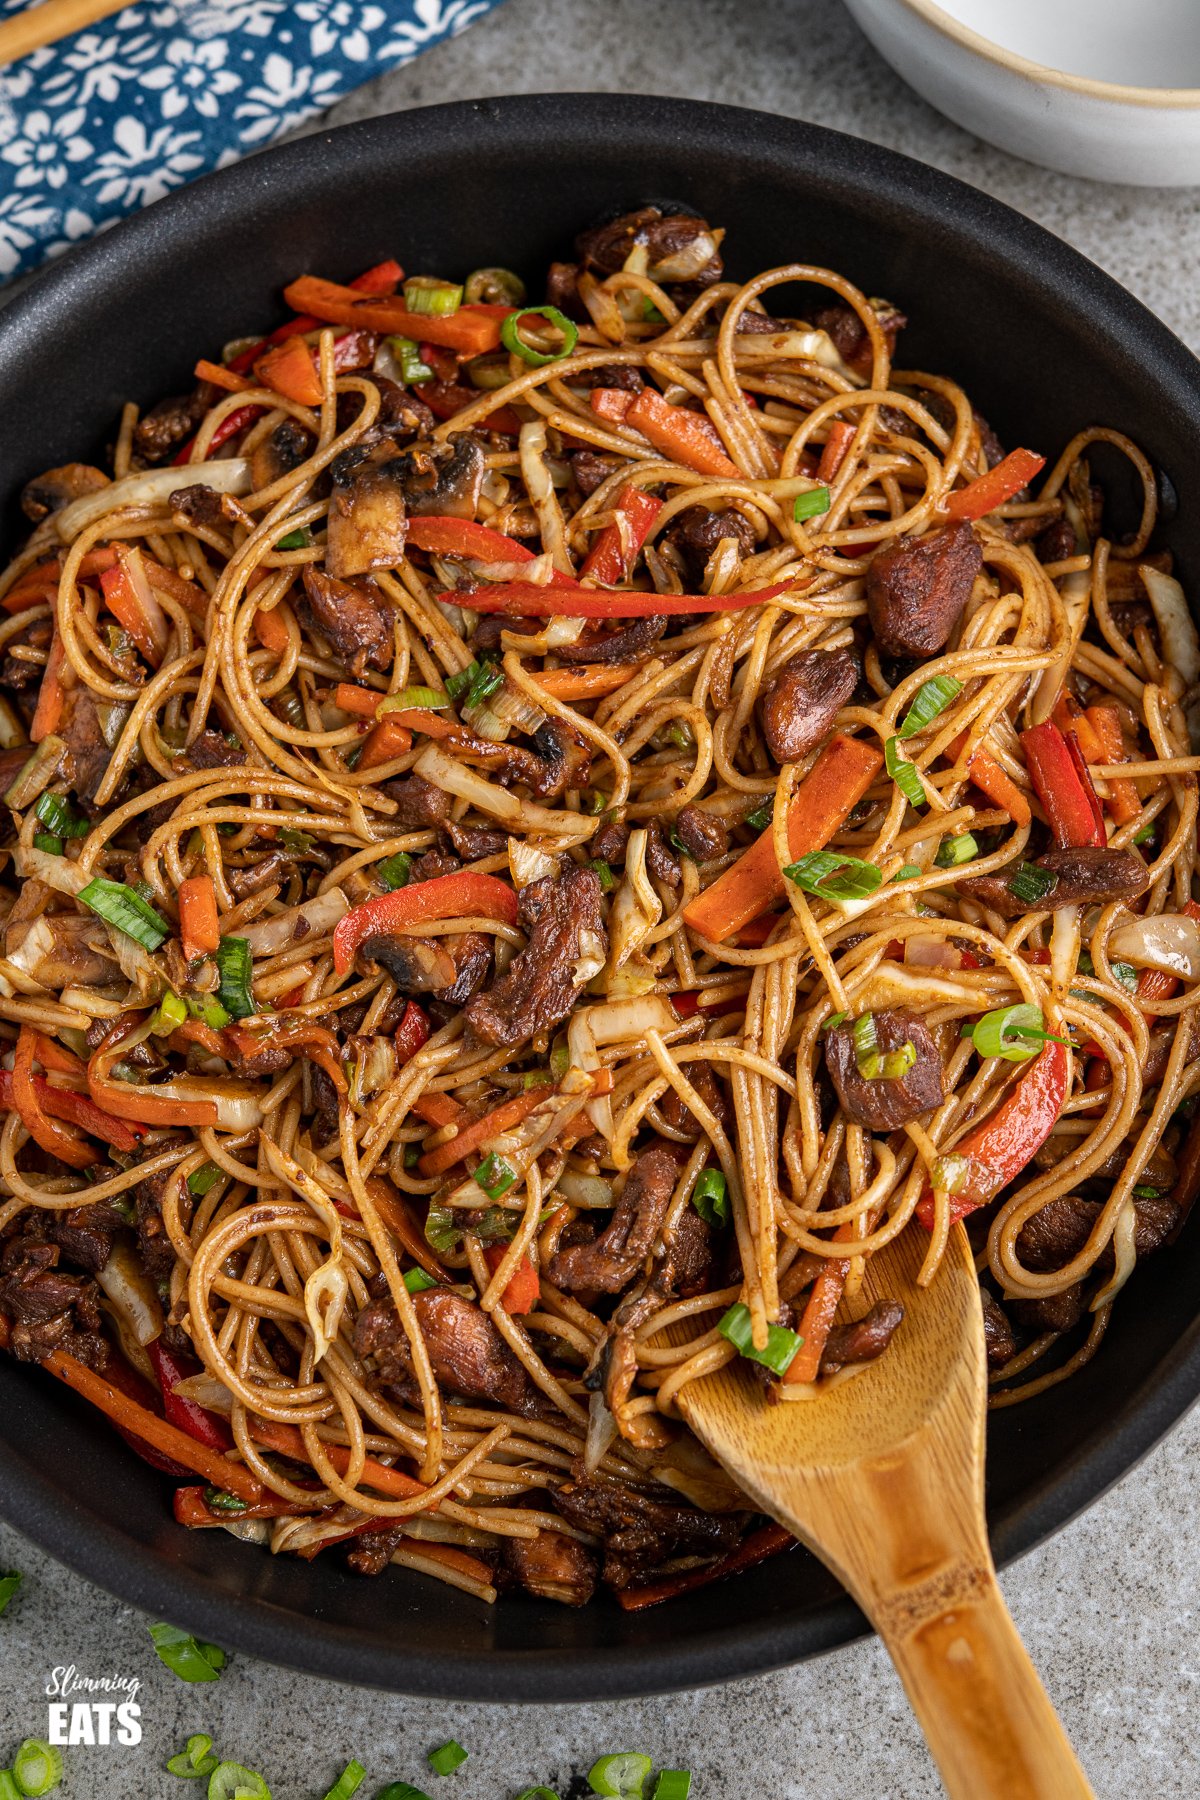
541,835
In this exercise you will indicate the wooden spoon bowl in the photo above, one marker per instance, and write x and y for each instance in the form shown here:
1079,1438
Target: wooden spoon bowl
881,1475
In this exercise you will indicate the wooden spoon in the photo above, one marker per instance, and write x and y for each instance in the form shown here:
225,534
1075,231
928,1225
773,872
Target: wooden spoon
882,1476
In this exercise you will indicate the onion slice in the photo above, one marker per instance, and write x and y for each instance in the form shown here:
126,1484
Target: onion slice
267,936
1166,941
151,487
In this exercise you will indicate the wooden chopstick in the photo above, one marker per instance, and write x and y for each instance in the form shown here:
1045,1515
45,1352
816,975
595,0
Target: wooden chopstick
45,24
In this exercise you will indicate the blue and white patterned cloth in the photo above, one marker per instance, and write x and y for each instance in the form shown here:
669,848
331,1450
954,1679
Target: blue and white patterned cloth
103,122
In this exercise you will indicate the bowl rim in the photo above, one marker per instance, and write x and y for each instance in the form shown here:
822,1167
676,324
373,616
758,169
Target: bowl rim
1056,274
1183,99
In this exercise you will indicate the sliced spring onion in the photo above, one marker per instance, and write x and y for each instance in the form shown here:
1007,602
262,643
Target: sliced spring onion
511,338
10,1581
623,1776
484,683
205,1177
955,850
416,1281
908,871
494,1175
57,815
186,1656
1031,884
436,299
933,697
604,874
1146,1193
810,504
300,539
1012,1032
46,840
782,1346
413,367
1145,835
196,1760
760,818
298,841
235,966
123,907
650,312
678,734
896,1063
673,1784
710,1197
494,287
1124,972
8,1787
442,1230
233,1781
833,1020
595,801
903,773
217,1500
866,1045
458,684
831,876
37,1768
348,1782
207,1009
432,699
393,872
401,1790
172,1012
449,1757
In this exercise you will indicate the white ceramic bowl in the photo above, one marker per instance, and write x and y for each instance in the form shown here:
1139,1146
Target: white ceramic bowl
1104,88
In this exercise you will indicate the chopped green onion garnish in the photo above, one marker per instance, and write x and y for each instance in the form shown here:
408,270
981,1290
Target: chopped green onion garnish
931,698
511,338
298,841
866,1045
896,1063
1145,835
782,1346
121,906
903,773
494,1175
1011,1032
834,1020
412,1155
808,505
56,814
447,1759
401,1790
231,1781
761,817
217,1500
436,299
955,850
710,1197
908,871
650,312
595,800
1123,972
1146,1193
624,1775
8,1787
46,840
430,698
560,1061
235,966
673,1784
494,287
348,1782
185,1655
1031,884
393,872
37,1767
413,367
195,1761
207,1009
9,1583
172,1012
442,1230
295,540
484,683
604,873
831,876
416,1281
458,684
680,735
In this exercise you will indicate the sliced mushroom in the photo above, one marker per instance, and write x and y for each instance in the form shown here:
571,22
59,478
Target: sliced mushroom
50,492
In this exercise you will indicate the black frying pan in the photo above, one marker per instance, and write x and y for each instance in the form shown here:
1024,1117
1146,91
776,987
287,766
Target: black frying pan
1043,341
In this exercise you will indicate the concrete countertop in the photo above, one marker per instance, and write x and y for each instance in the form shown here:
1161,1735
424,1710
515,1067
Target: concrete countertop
1109,1607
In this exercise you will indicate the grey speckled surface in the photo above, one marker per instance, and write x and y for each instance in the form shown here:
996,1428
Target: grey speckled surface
1109,1609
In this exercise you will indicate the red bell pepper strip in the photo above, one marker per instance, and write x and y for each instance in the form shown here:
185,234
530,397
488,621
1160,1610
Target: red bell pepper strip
26,1102
169,1368
411,1033
989,491
525,598
463,537
472,330
1064,787
230,425
523,1290
686,437
755,1549
198,928
998,1148
446,897
76,1109
446,398
612,556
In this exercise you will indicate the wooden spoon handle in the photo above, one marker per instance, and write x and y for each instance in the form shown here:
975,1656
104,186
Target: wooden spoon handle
983,1709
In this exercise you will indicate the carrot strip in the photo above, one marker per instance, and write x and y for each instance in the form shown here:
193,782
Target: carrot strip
357,700
271,631
992,780
291,370
819,1314
287,1441
686,437
439,1109
55,1057
841,436
834,785
451,1558
1122,800
127,1415
471,330
45,1131
389,740
501,1118
524,1289
989,491
585,684
52,696
220,376
198,916
1070,717
611,403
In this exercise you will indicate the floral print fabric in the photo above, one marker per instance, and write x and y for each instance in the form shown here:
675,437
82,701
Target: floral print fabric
100,124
